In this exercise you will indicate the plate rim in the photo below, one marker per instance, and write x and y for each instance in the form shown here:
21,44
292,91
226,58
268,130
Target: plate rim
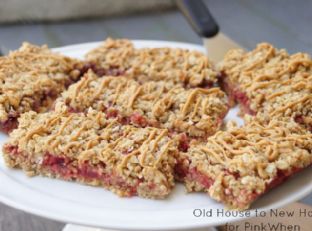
45,214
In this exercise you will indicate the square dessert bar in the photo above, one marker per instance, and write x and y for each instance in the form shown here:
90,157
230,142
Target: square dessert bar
198,112
180,66
238,165
31,78
90,149
271,82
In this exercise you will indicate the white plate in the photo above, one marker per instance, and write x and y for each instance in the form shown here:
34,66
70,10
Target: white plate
90,206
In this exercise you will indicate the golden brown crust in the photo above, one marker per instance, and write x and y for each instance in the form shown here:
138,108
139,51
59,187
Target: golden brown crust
196,111
179,66
244,162
145,155
276,83
31,78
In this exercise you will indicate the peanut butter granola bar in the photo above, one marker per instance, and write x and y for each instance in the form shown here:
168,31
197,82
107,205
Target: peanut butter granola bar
31,78
134,119
90,149
197,112
179,66
238,165
271,82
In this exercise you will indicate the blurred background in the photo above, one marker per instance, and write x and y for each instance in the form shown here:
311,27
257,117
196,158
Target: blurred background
62,22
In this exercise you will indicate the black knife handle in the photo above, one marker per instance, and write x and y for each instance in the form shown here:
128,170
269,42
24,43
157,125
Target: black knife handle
199,17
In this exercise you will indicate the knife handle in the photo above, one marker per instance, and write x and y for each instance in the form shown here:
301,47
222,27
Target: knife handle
199,17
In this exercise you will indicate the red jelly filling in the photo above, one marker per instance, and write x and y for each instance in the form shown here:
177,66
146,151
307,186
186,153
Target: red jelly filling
183,143
12,149
236,95
9,125
243,99
59,165
281,177
112,113
204,180
138,119
68,170
111,71
181,170
300,120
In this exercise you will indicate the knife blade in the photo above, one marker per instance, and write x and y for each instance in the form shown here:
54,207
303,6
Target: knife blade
200,18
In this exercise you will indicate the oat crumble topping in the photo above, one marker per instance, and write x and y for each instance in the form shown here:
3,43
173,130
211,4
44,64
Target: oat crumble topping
242,163
276,83
116,127
180,66
196,111
31,78
134,154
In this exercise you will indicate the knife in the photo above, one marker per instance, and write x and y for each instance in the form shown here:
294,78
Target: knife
198,15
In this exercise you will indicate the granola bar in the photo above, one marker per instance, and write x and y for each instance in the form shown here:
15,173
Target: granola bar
90,149
31,78
198,112
271,82
238,165
179,66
